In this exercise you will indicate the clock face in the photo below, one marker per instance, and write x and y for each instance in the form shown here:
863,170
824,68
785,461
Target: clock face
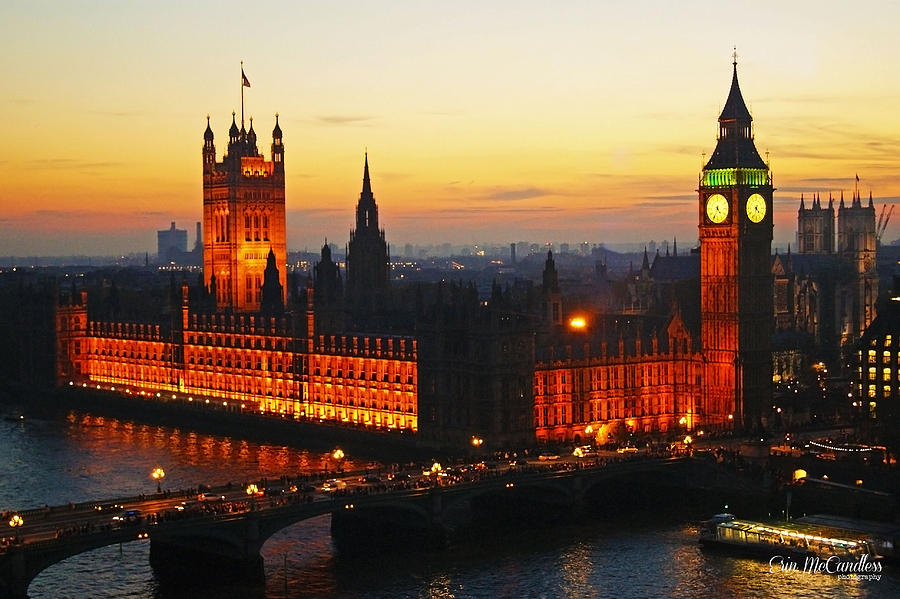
756,208
716,208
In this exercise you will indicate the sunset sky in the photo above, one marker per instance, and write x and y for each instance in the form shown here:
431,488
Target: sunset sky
484,121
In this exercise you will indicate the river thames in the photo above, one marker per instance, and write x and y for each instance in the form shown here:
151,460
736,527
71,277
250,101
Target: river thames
57,457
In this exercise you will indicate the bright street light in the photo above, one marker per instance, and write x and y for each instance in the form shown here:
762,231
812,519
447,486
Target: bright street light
158,474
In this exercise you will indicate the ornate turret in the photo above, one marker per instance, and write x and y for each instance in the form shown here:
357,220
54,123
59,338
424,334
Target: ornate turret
234,134
251,140
277,147
209,149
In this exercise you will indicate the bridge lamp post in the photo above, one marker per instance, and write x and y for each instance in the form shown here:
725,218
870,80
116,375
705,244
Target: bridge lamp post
16,521
158,474
338,455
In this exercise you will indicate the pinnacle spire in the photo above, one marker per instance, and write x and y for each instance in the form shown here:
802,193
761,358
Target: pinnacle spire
367,185
735,109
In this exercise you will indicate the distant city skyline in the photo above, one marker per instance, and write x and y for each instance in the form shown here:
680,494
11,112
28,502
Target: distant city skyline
507,122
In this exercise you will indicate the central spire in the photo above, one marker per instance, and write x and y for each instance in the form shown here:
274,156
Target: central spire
735,148
367,185
735,109
366,210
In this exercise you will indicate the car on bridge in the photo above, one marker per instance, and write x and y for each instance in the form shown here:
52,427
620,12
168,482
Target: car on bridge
627,449
127,517
333,484
210,496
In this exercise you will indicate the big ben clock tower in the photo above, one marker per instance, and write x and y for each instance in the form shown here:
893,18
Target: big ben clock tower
735,206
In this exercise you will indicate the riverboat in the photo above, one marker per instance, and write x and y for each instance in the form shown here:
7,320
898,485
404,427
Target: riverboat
727,533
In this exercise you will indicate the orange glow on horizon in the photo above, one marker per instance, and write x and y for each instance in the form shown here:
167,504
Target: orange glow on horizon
522,124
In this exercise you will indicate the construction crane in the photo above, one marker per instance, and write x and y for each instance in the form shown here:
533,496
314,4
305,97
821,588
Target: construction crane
883,221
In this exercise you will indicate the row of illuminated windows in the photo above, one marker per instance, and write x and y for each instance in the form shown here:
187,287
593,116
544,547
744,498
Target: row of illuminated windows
600,410
887,374
872,356
886,390
247,360
362,377
617,377
256,227
119,348
203,382
129,372
383,400
369,418
132,355
220,224
371,369
396,407
240,341
253,289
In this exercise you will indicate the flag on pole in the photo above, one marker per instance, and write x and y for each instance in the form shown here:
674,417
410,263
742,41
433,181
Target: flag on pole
246,82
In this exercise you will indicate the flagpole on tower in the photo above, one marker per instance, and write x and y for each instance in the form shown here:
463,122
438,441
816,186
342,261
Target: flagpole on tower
244,83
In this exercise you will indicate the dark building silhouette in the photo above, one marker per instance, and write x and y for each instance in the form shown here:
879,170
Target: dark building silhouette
368,261
329,293
825,299
272,291
171,244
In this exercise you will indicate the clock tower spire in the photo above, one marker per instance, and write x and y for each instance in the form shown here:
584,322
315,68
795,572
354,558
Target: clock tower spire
735,230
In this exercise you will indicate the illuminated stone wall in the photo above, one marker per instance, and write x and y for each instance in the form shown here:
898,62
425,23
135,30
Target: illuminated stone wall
602,396
248,363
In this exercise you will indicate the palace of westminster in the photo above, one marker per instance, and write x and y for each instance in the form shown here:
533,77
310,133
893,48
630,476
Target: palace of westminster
689,342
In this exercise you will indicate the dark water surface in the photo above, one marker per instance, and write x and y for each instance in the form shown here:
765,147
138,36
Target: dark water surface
78,457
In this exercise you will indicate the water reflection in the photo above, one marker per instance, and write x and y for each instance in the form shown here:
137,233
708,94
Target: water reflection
80,457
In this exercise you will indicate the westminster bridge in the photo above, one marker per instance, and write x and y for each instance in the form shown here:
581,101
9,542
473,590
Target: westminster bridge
223,530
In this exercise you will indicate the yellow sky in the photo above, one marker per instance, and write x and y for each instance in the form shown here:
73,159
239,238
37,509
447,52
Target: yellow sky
502,121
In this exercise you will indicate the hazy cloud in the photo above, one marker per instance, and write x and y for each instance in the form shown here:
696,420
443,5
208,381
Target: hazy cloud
71,164
388,176
468,211
120,113
339,119
511,195
316,211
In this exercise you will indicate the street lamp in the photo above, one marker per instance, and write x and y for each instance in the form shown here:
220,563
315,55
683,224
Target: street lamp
477,441
338,456
16,521
158,474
